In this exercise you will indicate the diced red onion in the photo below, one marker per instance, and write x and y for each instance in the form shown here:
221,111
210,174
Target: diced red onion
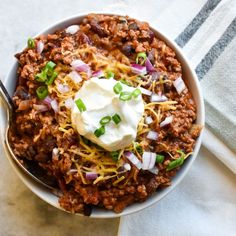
69,103
138,69
149,66
152,135
72,29
63,88
40,107
91,175
149,159
145,91
133,159
89,72
127,166
179,85
158,98
47,101
75,76
54,105
71,171
166,121
148,120
80,66
98,73
40,47
154,170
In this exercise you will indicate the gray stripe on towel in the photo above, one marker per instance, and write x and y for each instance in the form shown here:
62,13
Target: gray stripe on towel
207,62
196,23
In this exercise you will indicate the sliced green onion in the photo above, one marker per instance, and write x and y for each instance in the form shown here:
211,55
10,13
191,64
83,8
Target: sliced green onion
109,74
31,43
125,96
47,74
52,78
115,155
49,68
100,131
159,158
42,92
105,120
79,103
174,164
141,55
136,93
50,65
116,118
41,77
117,88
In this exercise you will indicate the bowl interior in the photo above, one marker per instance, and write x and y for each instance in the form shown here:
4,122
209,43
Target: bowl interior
45,194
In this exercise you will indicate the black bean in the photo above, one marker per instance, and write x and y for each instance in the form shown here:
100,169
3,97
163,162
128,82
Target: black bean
128,50
83,38
42,157
133,26
98,29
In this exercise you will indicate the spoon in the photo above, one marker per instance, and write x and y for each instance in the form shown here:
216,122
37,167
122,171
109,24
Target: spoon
28,166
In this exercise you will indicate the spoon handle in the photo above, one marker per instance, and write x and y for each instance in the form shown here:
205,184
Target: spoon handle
7,99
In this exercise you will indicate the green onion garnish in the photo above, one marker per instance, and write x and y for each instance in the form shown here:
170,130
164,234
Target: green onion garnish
50,65
125,96
30,43
115,155
47,74
105,120
109,74
142,56
79,103
136,93
159,158
116,118
117,88
42,92
52,78
41,77
100,131
174,164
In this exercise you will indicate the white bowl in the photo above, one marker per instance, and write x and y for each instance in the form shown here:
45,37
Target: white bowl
46,195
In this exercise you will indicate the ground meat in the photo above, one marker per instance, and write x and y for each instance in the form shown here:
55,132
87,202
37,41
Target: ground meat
36,135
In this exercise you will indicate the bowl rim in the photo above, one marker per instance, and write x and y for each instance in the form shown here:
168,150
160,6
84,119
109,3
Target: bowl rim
45,194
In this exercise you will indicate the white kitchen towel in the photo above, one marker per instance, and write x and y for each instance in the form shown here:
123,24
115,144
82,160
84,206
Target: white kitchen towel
204,203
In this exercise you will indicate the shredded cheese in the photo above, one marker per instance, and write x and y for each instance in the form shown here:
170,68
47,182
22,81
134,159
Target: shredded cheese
100,160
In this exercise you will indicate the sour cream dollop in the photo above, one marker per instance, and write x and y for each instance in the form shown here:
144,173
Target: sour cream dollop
100,101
